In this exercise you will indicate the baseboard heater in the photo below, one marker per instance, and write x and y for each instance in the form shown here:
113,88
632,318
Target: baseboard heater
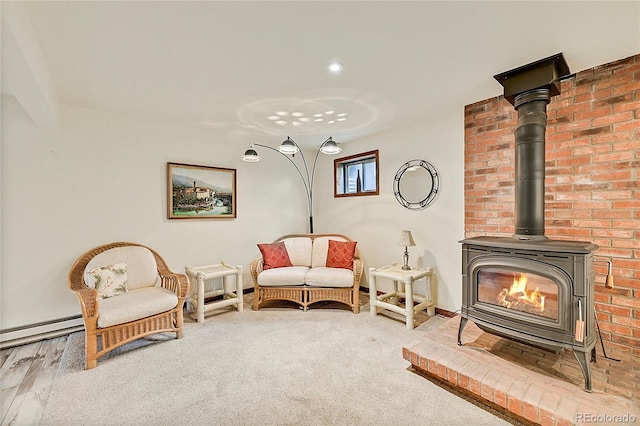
40,331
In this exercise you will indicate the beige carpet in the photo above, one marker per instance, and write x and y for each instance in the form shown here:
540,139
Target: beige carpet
276,366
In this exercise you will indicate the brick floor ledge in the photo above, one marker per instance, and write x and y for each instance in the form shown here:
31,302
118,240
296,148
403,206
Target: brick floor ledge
530,384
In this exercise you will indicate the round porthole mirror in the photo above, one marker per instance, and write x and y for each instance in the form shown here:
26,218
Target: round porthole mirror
416,184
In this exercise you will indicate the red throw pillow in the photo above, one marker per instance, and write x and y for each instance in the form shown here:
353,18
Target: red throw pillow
340,254
274,255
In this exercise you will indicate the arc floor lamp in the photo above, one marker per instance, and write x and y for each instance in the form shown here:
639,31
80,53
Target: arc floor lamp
288,149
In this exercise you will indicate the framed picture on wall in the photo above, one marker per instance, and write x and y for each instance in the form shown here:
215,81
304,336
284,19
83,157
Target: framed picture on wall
200,192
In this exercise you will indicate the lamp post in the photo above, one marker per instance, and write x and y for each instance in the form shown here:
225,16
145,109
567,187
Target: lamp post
288,149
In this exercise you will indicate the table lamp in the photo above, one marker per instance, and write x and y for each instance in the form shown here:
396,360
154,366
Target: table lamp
406,240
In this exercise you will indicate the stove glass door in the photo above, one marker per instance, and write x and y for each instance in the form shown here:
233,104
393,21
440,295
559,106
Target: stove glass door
521,291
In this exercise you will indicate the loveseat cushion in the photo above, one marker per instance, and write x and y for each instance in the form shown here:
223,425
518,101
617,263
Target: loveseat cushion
320,249
293,275
329,277
134,305
299,249
142,270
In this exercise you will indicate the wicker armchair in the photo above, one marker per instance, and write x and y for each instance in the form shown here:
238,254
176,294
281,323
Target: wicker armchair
110,323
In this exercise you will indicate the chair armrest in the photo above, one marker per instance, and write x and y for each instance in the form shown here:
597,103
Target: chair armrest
358,269
88,298
176,283
255,268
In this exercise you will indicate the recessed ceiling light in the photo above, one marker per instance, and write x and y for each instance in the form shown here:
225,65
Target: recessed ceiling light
281,122
318,115
318,119
274,117
329,112
342,114
342,119
282,113
335,67
297,114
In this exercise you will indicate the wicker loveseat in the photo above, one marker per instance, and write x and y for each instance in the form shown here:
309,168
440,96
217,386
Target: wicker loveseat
311,275
149,299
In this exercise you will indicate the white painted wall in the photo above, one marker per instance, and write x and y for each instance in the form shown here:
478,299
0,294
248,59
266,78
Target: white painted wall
101,177
376,221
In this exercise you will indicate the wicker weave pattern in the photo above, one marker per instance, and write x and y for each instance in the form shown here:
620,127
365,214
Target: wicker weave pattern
305,295
99,341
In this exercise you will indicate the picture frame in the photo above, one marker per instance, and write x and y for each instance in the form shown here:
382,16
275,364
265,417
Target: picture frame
200,192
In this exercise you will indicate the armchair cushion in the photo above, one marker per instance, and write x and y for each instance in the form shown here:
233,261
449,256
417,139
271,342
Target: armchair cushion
134,305
141,265
340,254
293,275
274,255
109,281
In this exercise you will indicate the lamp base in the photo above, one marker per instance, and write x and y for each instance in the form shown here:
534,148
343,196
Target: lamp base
406,267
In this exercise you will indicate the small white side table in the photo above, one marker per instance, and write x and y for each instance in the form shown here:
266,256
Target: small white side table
398,275
208,272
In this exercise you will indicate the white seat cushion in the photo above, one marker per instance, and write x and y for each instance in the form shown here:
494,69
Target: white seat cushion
134,305
141,265
277,277
299,249
329,277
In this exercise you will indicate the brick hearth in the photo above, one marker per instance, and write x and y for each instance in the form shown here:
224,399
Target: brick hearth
526,382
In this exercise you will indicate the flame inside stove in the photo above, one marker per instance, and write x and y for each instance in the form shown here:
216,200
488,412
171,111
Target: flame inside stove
518,297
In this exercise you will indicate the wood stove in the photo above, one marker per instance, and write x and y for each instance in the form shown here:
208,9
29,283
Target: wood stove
536,292
527,287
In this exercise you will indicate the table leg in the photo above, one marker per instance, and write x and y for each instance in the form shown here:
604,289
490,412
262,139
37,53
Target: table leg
373,293
395,299
239,288
200,308
408,290
431,310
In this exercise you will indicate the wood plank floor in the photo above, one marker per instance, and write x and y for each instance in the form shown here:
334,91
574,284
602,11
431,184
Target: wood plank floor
27,373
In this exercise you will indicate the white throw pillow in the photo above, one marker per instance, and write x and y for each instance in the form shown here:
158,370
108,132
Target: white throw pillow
109,281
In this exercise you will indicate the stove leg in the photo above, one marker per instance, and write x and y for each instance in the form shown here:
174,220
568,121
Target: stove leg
586,368
463,322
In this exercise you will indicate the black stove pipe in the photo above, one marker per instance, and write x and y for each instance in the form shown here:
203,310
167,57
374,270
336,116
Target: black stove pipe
529,162
529,89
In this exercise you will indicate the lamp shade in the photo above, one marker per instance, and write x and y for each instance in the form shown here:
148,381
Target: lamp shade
330,147
288,147
406,239
251,156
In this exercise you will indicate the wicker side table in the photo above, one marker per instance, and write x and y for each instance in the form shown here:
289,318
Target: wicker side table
400,277
202,290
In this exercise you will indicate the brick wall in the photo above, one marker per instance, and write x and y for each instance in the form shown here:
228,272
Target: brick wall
592,185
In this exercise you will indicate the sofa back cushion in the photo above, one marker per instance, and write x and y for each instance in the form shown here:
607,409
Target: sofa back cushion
141,265
321,248
299,250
